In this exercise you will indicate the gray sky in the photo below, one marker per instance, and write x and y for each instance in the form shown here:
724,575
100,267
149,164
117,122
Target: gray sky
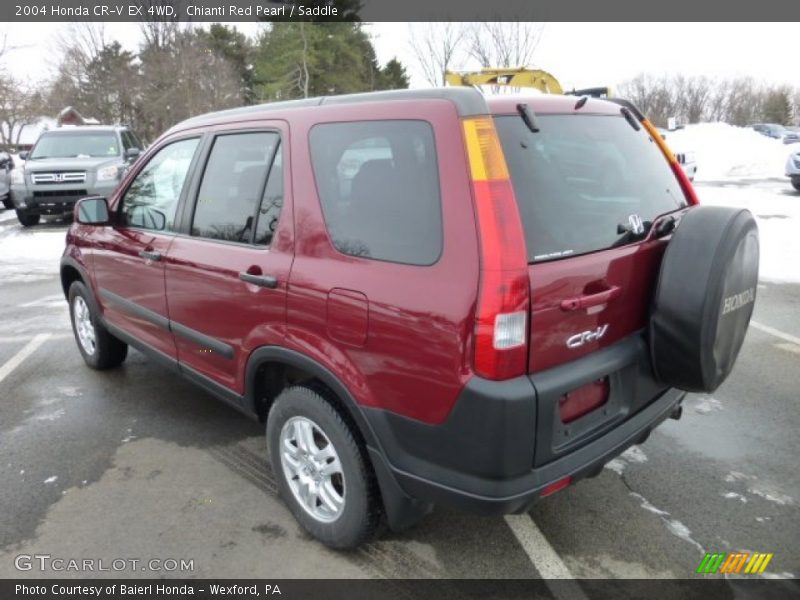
578,54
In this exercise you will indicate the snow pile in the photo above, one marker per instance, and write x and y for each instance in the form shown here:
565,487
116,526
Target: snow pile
778,217
727,152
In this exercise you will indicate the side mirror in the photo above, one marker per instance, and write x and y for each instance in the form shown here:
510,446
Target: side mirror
92,211
23,155
132,154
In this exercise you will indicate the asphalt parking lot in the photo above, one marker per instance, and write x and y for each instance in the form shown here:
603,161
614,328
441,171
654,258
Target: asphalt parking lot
135,463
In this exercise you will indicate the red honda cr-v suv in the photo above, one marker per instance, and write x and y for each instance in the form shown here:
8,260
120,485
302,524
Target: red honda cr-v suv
429,296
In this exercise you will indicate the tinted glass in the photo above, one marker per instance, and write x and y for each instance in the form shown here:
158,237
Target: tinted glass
580,178
152,198
378,182
74,144
233,185
127,140
137,143
271,203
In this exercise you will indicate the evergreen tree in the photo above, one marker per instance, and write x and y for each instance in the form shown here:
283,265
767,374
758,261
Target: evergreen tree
394,76
300,60
778,106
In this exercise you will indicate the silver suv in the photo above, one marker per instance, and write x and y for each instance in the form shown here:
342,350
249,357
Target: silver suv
69,163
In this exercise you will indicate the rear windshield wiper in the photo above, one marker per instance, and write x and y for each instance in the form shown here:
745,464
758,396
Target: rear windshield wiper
528,117
630,118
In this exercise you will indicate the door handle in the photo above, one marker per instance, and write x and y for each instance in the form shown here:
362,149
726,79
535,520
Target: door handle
589,300
267,281
148,255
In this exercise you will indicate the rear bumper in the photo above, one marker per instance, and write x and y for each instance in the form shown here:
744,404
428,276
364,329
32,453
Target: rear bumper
494,496
504,442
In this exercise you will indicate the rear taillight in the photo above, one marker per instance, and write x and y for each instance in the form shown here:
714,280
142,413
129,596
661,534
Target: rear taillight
680,174
501,325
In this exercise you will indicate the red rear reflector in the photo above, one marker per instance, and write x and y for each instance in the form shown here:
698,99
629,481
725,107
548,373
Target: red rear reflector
583,400
556,486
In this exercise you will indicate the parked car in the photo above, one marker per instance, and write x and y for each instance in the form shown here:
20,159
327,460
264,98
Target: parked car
6,165
68,163
793,169
428,295
778,132
686,158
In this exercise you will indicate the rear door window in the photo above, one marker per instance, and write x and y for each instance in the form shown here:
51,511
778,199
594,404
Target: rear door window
580,180
378,182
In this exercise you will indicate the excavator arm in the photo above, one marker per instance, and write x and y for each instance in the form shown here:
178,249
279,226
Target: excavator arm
520,78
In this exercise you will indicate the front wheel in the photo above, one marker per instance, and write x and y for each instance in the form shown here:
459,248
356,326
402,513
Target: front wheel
100,349
322,471
7,202
796,184
27,220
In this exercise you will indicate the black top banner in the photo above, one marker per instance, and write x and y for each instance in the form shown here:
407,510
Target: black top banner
399,10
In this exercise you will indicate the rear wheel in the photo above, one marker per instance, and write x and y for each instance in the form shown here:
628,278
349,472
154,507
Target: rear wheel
322,471
100,349
796,184
7,202
28,220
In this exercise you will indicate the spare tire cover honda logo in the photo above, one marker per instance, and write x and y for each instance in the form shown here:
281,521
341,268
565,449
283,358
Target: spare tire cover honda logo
737,301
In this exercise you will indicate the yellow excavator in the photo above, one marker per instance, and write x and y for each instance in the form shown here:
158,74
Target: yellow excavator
521,77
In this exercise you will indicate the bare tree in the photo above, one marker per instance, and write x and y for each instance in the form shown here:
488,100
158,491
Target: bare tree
438,47
85,39
504,44
655,96
692,97
19,106
158,31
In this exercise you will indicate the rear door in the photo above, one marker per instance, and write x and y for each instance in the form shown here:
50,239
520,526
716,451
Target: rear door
228,269
588,186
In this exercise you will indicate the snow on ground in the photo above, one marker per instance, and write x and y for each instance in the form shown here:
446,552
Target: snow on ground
30,254
726,152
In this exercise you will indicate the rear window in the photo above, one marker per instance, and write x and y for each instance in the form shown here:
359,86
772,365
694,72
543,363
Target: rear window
378,182
579,179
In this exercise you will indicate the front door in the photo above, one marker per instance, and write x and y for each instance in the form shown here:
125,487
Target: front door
129,257
227,273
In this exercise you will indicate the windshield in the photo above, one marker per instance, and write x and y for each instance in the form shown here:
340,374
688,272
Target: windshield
77,144
583,181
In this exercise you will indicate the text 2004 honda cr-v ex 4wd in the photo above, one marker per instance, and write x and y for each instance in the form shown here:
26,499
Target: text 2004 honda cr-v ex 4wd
430,297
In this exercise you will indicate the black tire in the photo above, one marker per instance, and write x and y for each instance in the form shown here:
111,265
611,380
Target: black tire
7,202
109,351
704,298
796,184
361,512
28,220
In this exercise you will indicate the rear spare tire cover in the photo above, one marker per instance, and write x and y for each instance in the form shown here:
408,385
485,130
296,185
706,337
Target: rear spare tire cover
704,297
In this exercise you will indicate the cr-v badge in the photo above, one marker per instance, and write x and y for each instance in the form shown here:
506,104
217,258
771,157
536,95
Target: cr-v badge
579,339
